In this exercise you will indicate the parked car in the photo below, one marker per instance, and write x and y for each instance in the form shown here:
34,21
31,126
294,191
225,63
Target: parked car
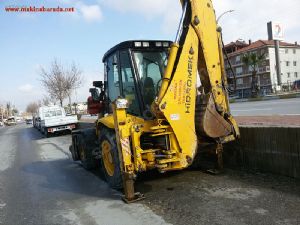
296,85
10,121
28,121
1,124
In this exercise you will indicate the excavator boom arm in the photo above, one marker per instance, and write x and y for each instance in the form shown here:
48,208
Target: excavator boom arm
196,51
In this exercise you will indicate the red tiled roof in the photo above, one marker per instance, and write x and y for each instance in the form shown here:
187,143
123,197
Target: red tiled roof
261,43
236,43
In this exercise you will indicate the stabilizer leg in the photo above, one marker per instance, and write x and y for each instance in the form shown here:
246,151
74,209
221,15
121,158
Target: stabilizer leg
129,195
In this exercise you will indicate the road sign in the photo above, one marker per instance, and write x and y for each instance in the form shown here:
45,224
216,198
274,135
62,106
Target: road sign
275,31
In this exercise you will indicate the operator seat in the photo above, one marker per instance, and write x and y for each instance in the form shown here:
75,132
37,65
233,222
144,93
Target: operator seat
149,91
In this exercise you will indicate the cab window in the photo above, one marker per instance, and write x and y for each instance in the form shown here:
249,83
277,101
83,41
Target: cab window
128,85
151,66
113,78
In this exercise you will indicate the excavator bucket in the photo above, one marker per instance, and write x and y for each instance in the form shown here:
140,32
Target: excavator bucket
208,122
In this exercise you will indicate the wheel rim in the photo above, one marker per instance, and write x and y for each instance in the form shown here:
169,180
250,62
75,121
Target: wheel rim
107,158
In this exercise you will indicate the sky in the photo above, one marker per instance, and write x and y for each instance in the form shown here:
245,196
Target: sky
31,40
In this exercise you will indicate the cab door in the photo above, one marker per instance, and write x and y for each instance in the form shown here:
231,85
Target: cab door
112,80
129,84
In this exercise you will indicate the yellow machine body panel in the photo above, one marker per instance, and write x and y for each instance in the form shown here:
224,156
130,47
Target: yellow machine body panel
178,103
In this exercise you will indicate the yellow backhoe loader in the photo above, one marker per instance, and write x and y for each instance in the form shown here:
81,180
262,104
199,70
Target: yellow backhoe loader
152,115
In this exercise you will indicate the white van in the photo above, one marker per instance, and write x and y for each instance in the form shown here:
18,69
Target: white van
52,119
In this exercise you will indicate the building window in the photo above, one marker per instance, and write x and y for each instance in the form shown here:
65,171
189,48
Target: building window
250,69
294,51
288,75
287,63
296,74
239,70
239,81
286,51
295,63
238,59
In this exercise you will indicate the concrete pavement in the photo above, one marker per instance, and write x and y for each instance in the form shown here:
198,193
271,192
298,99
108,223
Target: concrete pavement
40,184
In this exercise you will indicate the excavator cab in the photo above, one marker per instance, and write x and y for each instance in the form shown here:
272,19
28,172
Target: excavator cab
134,71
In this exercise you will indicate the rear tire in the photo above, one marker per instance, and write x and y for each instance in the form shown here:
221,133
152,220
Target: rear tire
86,145
110,158
46,133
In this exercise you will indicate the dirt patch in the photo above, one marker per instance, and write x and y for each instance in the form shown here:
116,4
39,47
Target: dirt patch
269,120
194,197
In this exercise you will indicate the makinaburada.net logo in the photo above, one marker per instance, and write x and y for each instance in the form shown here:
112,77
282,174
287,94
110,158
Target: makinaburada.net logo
38,9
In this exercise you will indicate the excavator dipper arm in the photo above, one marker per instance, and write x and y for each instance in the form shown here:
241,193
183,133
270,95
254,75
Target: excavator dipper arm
196,51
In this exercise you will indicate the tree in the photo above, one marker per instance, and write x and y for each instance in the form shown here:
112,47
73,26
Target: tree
253,61
60,82
8,109
32,107
73,81
47,101
15,111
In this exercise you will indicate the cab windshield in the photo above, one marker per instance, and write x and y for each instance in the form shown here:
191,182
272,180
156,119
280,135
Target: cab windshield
151,67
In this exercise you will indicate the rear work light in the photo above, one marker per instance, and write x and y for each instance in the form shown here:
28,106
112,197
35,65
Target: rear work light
158,44
166,44
145,44
138,44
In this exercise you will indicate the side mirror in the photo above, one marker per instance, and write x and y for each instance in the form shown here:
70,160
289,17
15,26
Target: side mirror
98,84
95,94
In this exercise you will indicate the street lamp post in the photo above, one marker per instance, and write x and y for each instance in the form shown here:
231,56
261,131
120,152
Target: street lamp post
228,11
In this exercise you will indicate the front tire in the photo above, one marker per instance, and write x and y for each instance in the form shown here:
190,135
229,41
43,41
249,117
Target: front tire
110,158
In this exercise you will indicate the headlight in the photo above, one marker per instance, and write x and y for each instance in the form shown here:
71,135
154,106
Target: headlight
122,103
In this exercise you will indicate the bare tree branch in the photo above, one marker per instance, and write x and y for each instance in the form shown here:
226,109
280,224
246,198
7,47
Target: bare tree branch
60,82
32,107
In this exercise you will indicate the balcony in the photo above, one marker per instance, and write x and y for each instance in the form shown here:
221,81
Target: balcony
264,69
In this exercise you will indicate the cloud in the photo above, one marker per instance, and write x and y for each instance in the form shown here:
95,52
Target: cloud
90,13
27,88
150,9
248,21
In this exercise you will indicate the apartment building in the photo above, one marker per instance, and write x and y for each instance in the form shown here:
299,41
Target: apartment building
266,72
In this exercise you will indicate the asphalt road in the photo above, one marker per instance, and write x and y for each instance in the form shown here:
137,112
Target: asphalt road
266,108
40,184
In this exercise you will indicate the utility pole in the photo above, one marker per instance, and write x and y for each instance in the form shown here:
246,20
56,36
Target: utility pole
278,66
1,111
275,32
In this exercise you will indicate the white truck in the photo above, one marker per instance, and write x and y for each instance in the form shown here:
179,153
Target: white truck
52,119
